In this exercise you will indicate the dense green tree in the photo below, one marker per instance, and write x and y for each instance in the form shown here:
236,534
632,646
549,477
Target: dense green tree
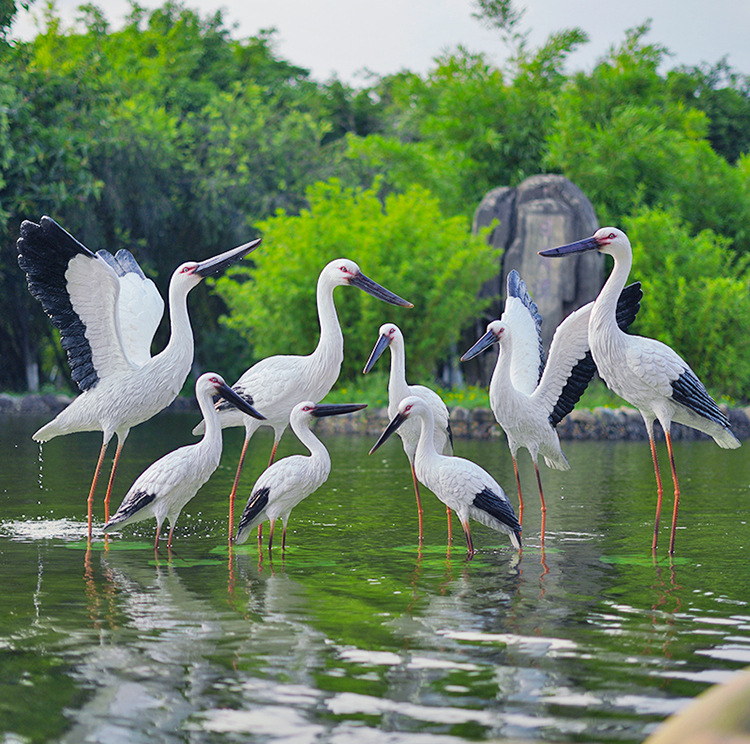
622,136
404,242
696,297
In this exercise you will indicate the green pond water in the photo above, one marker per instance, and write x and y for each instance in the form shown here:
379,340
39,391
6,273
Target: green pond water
355,634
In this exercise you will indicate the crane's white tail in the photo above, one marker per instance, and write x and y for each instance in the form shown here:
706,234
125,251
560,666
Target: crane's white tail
561,463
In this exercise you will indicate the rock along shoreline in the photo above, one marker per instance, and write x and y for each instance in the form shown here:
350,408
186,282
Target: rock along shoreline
601,423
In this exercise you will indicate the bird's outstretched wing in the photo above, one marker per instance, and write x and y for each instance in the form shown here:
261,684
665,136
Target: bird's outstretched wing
570,366
527,360
140,306
79,291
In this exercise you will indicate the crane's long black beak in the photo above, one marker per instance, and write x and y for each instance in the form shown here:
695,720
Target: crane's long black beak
485,342
372,287
381,345
396,422
224,260
330,410
233,398
580,246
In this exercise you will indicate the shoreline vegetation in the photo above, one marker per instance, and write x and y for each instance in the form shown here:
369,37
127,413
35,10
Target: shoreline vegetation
598,423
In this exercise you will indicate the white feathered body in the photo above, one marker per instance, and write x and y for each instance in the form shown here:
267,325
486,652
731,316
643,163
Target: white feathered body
276,384
117,403
454,480
163,490
172,481
290,481
644,371
522,404
284,484
132,386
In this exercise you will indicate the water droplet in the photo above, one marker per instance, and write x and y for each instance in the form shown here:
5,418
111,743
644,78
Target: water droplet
41,466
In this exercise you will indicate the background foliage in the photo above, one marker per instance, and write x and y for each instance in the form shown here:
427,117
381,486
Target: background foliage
403,243
175,139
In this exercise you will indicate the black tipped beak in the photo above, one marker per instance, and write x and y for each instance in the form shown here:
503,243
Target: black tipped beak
382,344
330,410
220,262
372,287
229,395
485,342
396,422
581,246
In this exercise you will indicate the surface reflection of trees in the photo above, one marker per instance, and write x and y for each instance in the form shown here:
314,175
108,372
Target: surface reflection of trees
154,653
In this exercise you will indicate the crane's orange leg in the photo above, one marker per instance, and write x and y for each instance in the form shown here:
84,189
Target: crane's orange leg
270,535
541,495
156,541
270,461
111,480
450,528
283,538
90,499
659,491
469,543
169,538
676,492
520,496
233,493
419,502
273,451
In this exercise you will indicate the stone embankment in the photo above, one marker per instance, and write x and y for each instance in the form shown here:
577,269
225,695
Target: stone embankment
581,424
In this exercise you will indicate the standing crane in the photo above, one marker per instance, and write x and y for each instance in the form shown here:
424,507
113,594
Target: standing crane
529,397
163,490
463,486
275,384
643,371
107,313
398,389
282,486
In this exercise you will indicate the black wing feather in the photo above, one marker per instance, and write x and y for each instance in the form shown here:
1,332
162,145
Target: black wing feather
498,508
44,253
689,391
131,505
258,500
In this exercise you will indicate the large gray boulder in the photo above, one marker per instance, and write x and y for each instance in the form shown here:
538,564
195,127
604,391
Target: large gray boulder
544,211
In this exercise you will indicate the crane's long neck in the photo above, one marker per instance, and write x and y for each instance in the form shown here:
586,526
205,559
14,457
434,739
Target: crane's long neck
603,321
318,451
212,436
501,375
426,445
177,357
329,352
397,385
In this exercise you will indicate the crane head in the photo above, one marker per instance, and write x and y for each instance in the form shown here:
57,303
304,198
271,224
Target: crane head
345,272
495,331
607,240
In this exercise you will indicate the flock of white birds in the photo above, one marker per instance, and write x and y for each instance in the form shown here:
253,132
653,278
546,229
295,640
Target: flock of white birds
107,313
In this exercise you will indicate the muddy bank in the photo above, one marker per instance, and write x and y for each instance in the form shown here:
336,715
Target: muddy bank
581,424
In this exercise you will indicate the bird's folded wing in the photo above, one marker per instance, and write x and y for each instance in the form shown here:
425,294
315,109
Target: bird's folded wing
79,291
140,306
